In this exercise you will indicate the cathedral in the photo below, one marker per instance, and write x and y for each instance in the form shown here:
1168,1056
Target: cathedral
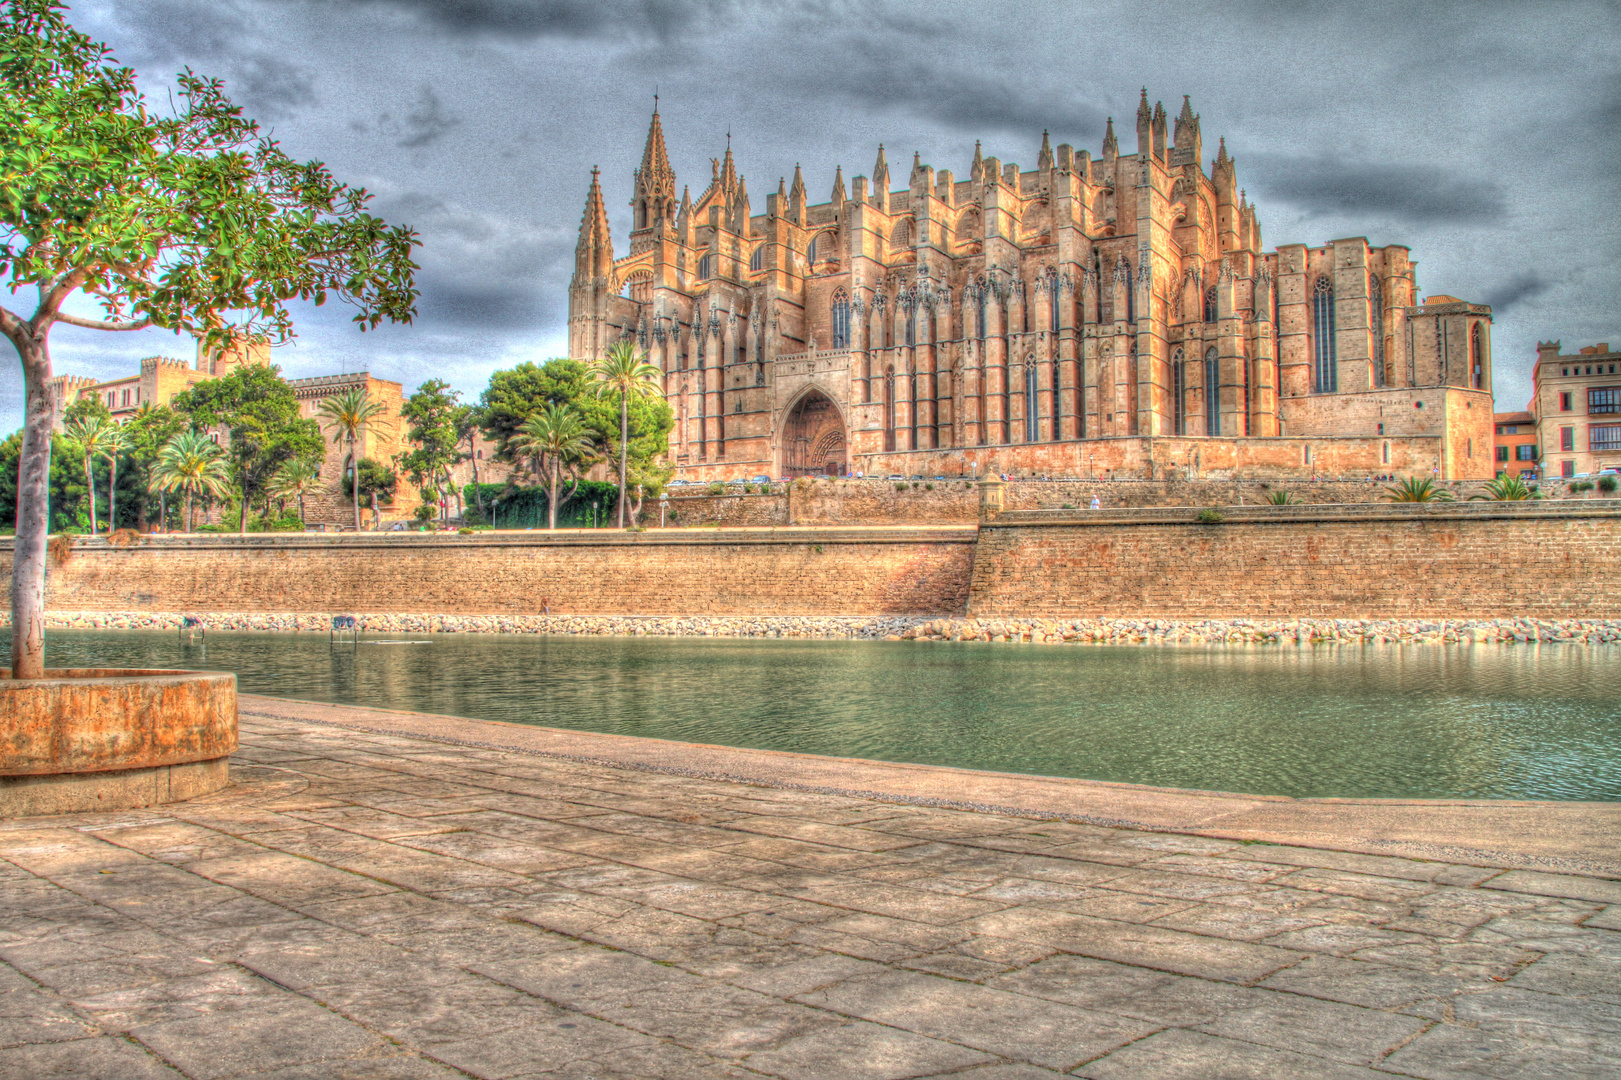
1110,316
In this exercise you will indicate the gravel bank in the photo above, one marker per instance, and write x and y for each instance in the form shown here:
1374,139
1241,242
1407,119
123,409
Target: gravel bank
907,628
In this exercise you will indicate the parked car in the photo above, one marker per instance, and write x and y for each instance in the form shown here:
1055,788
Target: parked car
678,483
894,476
761,480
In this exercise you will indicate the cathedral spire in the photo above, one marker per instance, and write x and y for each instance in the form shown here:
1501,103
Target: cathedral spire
838,189
976,171
880,181
1187,132
1111,145
655,180
1044,160
594,252
1145,125
796,198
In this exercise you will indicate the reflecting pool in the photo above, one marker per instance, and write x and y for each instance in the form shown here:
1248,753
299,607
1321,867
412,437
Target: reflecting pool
1526,722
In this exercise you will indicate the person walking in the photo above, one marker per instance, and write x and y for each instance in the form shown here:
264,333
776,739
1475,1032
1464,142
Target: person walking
1096,505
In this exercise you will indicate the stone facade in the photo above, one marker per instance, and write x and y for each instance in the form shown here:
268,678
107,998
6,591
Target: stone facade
1577,404
1517,445
1029,322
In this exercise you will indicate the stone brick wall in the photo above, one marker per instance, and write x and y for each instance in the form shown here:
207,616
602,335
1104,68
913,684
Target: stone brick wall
1464,561
783,572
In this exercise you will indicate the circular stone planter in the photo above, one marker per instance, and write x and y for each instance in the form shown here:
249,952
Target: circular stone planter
106,739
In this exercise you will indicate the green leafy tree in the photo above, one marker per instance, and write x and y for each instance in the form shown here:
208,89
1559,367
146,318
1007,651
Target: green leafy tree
433,431
295,480
92,435
194,465
67,490
149,431
187,218
376,482
1506,489
466,421
348,414
83,408
1416,489
621,376
260,411
114,442
555,441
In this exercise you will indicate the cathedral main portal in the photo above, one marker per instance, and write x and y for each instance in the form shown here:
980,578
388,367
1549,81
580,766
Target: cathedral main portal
813,439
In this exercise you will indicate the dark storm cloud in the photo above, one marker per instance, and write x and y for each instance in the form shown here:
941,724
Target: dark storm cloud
661,19
1413,193
1515,291
422,124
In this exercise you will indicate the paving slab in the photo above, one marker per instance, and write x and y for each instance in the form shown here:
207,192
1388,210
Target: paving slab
391,897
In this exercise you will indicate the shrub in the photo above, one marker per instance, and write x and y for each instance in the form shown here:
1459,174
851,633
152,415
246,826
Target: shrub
928,487
424,514
464,531
121,537
1608,484
1414,489
1581,485
1210,516
1507,489
1281,498
900,487
60,548
1069,506
716,488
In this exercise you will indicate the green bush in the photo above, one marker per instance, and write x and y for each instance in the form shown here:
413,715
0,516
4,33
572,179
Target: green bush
929,487
1210,516
717,488
1068,506
1607,484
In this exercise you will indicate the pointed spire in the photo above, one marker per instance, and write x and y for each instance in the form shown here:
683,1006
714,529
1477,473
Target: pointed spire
1221,154
917,162
880,171
796,198
976,171
782,188
1187,132
728,170
1111,145
838,188
593,253
798,189
740,214
1145,125
1186,116
655,180
1044,160
1143,111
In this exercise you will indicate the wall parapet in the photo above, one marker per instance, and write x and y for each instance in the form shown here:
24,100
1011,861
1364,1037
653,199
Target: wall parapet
1295,513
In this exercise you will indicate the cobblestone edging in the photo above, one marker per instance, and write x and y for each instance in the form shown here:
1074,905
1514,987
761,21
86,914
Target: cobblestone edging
906,627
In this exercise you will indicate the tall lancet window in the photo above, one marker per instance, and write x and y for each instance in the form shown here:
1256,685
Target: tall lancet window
1376,327
841,319
1212,394
757,258
911,324
1179,393
979,300
1210,304
1325,375
1030,399
1131,293
1477,358
1052,304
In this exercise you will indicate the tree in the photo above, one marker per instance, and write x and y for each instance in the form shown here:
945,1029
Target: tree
466,421
191,220
260,411
67,481
93,436
432,415
149,431
296,479
622,375
1415,489
348,413
1507,489
555,440
192,464
376,480
514,396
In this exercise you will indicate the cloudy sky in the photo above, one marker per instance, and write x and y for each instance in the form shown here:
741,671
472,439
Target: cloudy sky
1482,135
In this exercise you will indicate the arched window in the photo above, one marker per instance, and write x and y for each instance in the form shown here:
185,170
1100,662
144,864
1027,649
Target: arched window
1325,372
1376,326
1212,394
889,409
1052,303
1210,304
1477,358
911,324
823,247
757,258
1179,393
1030,399
706,267
841,319
1131,293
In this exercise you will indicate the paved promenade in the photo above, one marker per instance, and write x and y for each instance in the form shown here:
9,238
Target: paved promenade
387,896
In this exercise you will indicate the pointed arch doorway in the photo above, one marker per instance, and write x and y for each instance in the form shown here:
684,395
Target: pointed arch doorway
813,438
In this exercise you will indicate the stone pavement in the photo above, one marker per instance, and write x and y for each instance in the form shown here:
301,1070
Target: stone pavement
364,905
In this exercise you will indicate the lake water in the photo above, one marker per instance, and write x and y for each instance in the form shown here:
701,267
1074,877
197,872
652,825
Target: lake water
1525,722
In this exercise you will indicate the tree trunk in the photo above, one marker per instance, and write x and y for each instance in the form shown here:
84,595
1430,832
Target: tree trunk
242,518
90,482
33,515
188,510
624,450
355,461
301,519
112,492
551,497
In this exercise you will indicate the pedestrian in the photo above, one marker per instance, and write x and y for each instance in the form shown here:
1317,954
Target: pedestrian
1096,505
546,606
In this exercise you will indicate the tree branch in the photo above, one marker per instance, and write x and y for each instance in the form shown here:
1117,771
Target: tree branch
99,324
10,324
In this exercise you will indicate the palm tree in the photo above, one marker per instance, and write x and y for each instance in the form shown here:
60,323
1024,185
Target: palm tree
193,464
295,480
115,441
1414,489
555,437
1507,489
1281,497
626,375
93,434
348,412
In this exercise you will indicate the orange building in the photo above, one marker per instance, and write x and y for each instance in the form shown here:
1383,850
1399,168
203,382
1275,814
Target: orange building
1517,445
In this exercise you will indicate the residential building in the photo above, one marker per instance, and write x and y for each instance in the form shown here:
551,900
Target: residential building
1518,450
1577,403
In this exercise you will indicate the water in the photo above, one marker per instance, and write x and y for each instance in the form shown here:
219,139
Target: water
1525,722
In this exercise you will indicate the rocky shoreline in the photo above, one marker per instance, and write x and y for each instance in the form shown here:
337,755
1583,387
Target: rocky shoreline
1051,631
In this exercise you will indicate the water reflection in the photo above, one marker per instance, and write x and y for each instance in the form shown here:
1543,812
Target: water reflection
1538,722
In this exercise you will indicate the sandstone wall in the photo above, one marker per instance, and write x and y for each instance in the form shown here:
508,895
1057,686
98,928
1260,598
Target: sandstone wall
1467,561
784,572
